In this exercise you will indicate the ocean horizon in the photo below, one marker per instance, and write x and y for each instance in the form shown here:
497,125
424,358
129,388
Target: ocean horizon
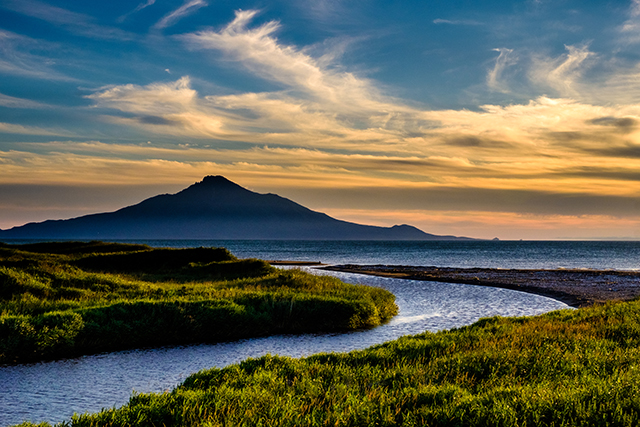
510,254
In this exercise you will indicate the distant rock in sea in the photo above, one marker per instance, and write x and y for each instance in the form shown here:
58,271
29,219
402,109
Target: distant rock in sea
215,208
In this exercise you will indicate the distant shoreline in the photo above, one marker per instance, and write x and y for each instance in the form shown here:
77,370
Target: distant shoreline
294,263
576,288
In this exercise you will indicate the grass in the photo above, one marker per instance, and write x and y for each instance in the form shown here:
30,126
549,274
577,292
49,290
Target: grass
565,368
67,299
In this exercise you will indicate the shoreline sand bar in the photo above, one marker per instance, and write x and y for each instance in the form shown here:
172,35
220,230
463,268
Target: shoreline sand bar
577,288
300,263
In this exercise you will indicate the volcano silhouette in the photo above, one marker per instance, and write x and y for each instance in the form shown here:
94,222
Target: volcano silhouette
214,208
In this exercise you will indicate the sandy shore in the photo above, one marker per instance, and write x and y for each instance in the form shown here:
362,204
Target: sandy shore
577,288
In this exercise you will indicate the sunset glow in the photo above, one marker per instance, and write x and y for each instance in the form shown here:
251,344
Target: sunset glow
510,119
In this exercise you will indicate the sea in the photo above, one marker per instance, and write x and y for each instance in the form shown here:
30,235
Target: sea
54,391
601,255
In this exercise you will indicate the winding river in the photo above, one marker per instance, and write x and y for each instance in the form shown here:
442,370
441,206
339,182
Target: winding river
53,391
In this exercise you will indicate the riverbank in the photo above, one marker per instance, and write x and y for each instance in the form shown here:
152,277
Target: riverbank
54,391
564,368
65,299
577,288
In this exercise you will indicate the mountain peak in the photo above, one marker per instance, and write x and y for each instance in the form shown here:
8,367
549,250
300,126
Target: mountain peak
214,208
216,181
215,184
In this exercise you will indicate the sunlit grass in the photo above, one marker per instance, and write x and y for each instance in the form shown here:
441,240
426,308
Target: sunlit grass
79,299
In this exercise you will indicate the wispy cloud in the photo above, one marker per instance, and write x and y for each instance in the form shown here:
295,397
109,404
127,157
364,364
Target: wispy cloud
621,86
329,106
563,73
630,29
189,7
13,102
25,66
305,77
138,8
457,22
173,107
32,130
324,9
16,57
74,22
494,77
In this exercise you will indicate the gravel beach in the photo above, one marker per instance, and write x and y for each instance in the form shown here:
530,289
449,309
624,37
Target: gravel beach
577,288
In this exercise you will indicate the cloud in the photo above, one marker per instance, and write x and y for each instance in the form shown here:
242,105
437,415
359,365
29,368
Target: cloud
162,98
260,52
507,225
630,29
137,9
16,57
563,73
13,102
76,23
278,118
328,11
446,199
621,86
31,130
457,22
494,77
548,142
189,7
570,146
174,107
625,123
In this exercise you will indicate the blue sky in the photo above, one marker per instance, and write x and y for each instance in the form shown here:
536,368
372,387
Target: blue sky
516,119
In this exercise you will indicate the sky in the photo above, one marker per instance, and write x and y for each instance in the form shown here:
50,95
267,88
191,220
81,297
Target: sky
508,119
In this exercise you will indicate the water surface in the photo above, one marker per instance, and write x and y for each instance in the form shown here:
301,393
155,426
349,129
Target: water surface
600,255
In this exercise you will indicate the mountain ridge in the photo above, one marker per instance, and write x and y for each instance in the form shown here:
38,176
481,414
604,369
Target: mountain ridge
215,208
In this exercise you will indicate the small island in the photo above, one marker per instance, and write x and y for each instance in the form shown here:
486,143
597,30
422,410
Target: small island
67,299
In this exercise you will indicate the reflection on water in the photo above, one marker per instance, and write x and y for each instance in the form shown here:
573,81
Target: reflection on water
53,391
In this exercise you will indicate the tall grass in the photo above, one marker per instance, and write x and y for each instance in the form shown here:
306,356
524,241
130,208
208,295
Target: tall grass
66,299
566,368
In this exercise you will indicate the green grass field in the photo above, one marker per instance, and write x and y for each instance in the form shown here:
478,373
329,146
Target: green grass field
566,368
67,299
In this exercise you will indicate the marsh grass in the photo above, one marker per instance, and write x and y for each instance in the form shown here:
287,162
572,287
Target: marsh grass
66,299
566,368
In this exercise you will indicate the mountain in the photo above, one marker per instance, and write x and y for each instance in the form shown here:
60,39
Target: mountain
214,208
